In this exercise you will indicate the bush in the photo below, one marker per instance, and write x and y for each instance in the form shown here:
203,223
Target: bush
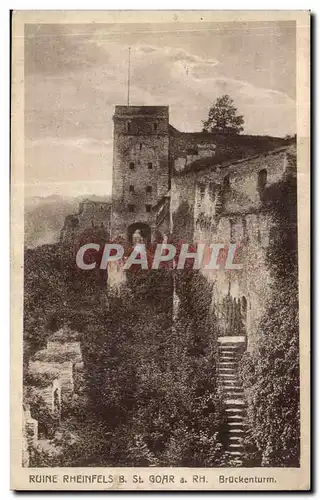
53,357
41,380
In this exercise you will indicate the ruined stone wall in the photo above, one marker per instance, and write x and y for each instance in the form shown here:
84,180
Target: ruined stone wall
64,368
140,165
54,374
92,214
58,347
61,358
51,394
29,436
190,147
182,207
231,205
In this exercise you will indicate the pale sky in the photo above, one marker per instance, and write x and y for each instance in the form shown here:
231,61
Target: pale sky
76,74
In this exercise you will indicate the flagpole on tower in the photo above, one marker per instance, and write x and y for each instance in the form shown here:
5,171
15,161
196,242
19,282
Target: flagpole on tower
128,98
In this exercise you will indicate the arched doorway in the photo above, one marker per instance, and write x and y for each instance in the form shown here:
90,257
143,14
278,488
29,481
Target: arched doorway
144,229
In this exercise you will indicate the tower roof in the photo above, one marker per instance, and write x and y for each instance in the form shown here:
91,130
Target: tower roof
141,110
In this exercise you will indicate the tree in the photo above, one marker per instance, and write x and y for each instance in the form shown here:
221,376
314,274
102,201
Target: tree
223,117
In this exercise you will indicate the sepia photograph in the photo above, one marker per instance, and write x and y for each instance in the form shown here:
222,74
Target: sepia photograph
160,186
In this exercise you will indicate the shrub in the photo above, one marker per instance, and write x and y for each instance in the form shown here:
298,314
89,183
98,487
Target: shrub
41,380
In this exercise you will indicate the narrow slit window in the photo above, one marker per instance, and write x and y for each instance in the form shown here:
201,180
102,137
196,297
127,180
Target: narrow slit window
244,305
226,183
149,189
131,188
262,179
148,208
155,127
150,165
131,165
131,208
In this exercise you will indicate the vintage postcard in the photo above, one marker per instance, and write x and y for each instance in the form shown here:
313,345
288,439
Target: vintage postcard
160,250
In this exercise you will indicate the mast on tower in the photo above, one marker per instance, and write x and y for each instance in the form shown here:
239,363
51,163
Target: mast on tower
128,97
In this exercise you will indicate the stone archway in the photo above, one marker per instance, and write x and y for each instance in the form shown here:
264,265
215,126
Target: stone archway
144,229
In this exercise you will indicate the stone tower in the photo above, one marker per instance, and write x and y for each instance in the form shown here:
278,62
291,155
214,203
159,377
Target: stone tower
140,169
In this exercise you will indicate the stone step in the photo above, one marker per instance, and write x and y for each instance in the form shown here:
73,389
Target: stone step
232,382
236,426
238,411
238,400
222,362
228,371
231,375
234,403
235,339
232,394
231,351
236,439
230,385
232,354
236,419
231,345
231,348
240,408
234,410
235,453
235,446
228,379
237,433
228,364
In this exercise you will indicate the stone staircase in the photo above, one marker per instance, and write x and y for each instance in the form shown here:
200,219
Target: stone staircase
230,352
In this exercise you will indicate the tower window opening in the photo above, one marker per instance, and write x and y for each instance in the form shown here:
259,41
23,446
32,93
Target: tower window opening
149,189
148,208
262,179
131,165
131,208
140,146
131,188
150,165
56,401
155,127
202,190
128,127
259,236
